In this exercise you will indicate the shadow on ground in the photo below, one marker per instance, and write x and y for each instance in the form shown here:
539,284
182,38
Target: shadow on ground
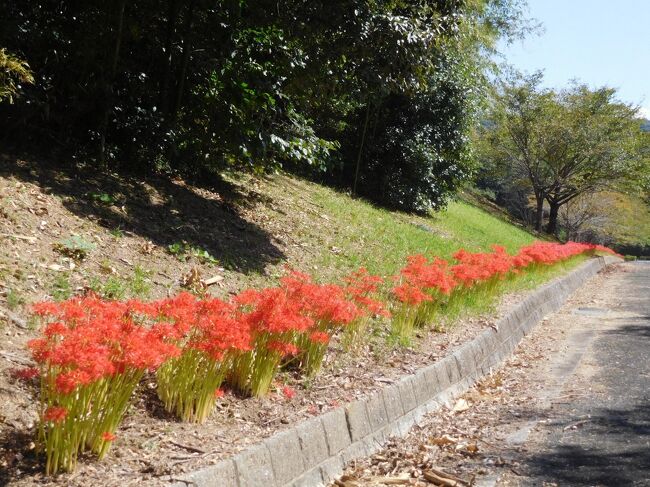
612,451
604,439
160,210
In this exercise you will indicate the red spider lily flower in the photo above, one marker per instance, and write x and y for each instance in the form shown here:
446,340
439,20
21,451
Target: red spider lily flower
360,286
67,382
108,436
325,303
271,310
55,414
419,278
26,373
288,392
285,349
54,329
219,393
319,337
410,294
473,268
45,308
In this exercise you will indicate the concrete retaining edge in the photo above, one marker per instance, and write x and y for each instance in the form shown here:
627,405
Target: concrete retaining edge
315,451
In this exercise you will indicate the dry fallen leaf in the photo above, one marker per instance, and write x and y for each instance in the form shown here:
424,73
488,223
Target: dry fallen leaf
147,247
438,480
440,477
471,448
460,406
444,440
38,211
401,480
192,279
212,280
107,268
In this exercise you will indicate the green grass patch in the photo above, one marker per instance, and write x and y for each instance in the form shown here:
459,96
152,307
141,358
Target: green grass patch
14,299
61,287
359,234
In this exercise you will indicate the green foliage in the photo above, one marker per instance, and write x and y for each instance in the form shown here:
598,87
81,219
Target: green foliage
103,198
75,247
111,288
559,145
12,72
139,284
379,95
14,299
115,287
183,251
380,240
418,153
61,287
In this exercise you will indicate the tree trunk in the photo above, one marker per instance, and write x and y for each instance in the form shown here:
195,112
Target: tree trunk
185,61
172,16
552,217
539,212
363,140
108,83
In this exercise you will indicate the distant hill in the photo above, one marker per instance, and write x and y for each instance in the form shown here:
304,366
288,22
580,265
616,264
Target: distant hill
645,125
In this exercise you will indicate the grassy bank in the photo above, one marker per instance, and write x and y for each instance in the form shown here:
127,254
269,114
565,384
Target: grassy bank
339,233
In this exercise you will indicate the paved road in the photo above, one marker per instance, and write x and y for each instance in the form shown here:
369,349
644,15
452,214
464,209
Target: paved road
603,437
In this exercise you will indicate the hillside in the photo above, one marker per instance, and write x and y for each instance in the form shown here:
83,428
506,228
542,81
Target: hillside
66,232
146,237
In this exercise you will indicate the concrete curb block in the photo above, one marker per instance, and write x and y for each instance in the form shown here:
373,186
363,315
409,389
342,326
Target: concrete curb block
315,451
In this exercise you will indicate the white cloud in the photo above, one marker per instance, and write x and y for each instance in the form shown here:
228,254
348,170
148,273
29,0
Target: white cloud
644,112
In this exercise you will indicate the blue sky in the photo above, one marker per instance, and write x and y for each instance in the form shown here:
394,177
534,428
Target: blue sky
597,42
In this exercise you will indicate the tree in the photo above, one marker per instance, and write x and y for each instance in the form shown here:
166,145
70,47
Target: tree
563,144
514,139
310,85
598,142
582,216
410,141
12,69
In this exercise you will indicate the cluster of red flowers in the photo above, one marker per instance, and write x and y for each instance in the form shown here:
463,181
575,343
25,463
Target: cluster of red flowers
90,339
296,320
91,357
473,268
421,279
549,252
422,284
93,352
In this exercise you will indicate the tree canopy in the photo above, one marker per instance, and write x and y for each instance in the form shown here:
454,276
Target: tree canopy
377,95
13,71
563,144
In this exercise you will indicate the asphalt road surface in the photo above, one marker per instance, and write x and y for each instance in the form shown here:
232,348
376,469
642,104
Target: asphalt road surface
603,437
